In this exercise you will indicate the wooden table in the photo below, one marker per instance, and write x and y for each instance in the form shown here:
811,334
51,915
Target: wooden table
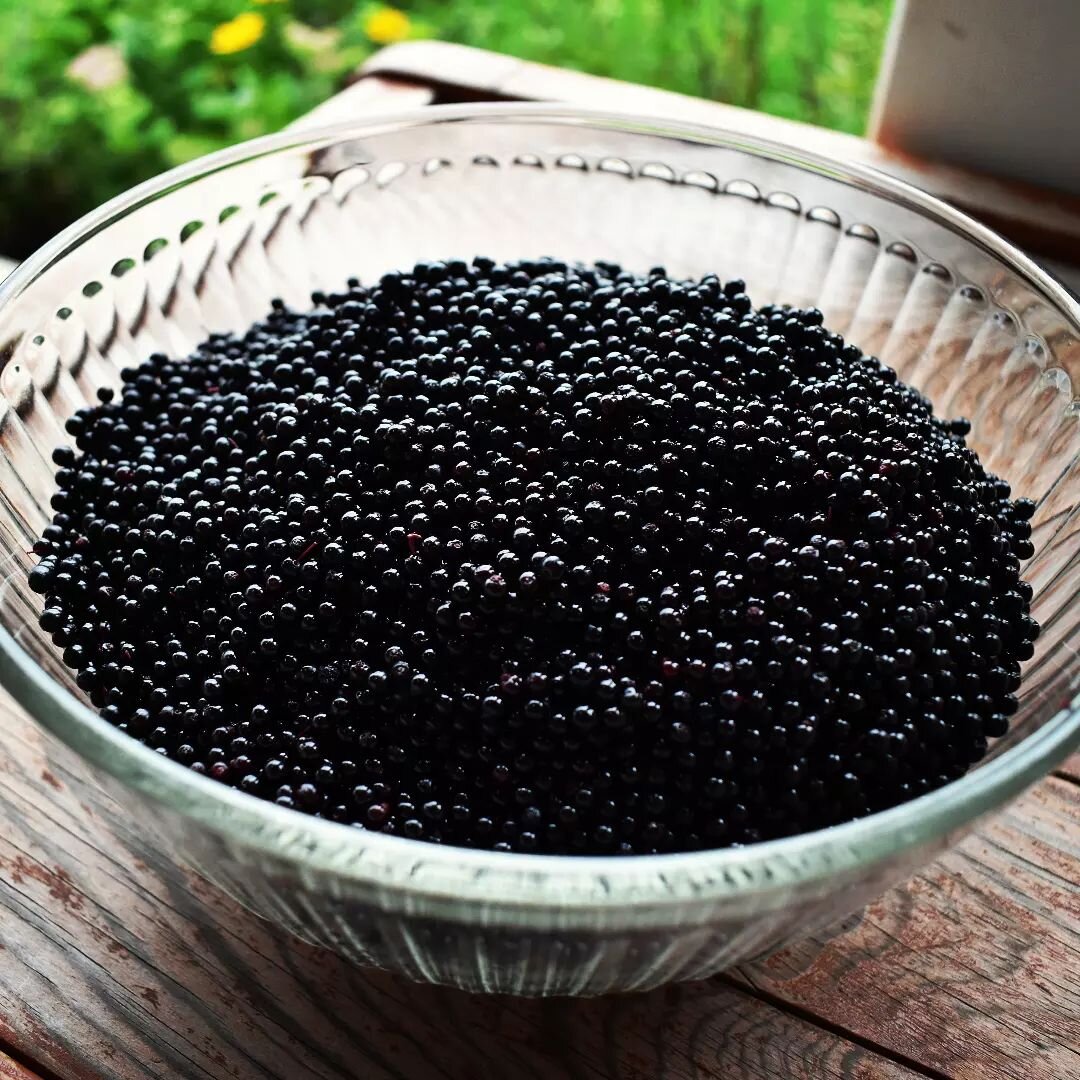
115,968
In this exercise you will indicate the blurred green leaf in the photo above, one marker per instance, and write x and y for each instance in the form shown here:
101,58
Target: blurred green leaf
70,143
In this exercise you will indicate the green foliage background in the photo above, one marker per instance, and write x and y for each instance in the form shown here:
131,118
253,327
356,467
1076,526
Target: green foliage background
65,147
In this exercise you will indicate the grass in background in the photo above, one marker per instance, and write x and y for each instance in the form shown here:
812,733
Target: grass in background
96,95
813,60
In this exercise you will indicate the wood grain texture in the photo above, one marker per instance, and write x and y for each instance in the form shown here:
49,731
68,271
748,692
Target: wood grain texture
116,969
973,967
1039,219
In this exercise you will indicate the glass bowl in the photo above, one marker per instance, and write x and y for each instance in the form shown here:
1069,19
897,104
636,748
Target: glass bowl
956,310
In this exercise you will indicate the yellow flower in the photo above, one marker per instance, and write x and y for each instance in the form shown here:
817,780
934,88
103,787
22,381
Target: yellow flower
237,34
385,25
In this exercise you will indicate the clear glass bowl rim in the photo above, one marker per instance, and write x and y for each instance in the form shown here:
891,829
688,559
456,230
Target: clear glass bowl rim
571,884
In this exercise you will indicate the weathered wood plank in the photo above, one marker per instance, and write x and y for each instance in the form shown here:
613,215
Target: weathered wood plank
368,95
1041,220
140,970
121,969
973,967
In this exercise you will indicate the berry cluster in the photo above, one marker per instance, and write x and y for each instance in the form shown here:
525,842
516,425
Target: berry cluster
540,557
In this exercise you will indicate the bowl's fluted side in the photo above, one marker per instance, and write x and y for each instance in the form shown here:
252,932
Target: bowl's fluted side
209,253
491,951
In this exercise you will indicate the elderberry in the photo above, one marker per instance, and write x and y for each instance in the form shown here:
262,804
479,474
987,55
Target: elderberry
541,557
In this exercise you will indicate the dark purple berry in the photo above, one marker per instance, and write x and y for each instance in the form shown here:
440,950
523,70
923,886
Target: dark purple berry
544,558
